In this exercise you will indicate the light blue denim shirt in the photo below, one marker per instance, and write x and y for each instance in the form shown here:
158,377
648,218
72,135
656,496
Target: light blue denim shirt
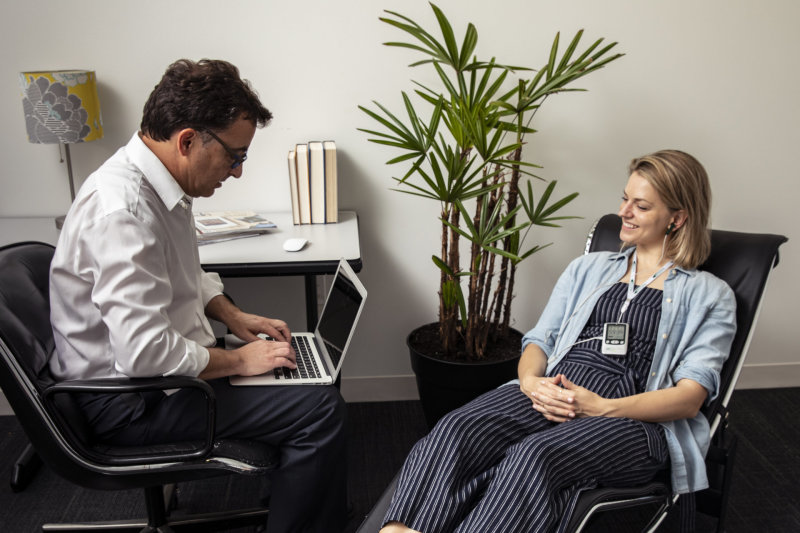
698,322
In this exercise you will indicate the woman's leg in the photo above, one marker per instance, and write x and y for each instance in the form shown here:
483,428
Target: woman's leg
447,472
533,488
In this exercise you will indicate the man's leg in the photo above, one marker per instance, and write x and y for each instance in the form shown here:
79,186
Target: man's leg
307,424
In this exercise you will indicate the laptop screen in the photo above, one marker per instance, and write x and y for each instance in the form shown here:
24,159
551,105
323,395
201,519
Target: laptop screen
338,318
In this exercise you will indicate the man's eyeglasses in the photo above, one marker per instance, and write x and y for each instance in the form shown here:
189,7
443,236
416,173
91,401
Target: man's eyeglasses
238,158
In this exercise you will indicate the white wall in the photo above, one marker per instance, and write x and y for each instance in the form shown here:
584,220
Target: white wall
715,78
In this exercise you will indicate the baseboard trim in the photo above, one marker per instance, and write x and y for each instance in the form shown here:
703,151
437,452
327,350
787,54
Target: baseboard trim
379,388
769,376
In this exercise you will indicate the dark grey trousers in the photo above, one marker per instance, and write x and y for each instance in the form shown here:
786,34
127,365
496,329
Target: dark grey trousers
307,424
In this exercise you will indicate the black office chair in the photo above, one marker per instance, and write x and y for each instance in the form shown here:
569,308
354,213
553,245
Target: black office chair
744,261
60,436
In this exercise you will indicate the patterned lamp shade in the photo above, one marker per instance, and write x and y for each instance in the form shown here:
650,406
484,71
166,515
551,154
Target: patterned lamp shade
61,106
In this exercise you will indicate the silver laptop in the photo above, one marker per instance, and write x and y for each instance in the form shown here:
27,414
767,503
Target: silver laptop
320,354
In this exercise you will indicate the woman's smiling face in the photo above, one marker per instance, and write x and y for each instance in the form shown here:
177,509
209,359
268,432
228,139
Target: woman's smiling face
645,217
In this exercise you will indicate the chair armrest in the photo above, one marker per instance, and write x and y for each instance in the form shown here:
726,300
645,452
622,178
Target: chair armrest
138,455
130,385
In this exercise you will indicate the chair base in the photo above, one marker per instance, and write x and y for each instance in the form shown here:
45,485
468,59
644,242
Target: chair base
199,522
599,500
595,501
25,468
159,499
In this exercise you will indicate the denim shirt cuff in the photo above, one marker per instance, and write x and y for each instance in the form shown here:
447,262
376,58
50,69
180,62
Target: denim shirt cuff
706,377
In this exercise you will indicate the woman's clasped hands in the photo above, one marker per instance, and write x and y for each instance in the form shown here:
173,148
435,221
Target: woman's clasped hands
560,400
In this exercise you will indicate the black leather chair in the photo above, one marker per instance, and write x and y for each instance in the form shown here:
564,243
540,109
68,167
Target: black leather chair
60,436
744,261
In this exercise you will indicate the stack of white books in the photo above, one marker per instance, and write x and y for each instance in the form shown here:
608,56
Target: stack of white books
313,183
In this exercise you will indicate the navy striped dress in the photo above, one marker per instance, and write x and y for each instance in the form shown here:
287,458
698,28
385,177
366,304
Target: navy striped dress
497,465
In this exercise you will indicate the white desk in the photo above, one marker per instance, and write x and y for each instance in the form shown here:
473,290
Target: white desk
28,229
254,256
264,255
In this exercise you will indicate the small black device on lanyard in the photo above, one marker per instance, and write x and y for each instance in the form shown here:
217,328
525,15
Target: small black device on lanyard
615,338
615,334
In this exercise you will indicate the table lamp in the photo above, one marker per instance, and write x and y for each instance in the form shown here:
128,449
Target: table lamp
61,107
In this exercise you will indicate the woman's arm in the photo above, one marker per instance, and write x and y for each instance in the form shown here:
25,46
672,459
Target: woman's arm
559,400
531,367
684,400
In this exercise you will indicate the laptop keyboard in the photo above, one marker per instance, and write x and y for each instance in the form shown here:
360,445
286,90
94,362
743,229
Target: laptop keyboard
306,364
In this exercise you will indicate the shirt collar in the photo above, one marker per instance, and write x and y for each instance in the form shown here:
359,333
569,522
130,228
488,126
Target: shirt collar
626,253
157,174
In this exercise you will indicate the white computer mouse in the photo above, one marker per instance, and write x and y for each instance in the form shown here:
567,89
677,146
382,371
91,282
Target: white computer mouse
295,244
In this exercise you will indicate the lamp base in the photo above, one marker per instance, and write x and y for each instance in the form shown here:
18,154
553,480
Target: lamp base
60,221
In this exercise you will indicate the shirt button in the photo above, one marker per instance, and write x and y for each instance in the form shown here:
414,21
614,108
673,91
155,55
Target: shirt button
669,300
664,336
653,374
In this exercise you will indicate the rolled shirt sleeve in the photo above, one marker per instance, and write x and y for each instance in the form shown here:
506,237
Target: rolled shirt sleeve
211,286
707,321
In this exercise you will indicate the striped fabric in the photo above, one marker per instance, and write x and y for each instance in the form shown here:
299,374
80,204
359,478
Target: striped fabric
603,374
497,465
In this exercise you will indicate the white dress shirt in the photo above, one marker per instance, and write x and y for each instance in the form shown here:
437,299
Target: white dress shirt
127,293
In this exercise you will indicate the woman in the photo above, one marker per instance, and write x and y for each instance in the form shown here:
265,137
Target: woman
591,409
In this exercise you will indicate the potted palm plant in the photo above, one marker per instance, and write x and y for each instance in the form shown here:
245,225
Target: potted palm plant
462,146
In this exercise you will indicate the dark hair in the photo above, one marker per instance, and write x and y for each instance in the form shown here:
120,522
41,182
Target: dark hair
208,94
682,183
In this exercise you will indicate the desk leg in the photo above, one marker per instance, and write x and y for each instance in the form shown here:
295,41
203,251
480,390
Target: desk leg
311,301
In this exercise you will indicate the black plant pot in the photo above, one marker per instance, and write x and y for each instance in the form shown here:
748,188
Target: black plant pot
446,385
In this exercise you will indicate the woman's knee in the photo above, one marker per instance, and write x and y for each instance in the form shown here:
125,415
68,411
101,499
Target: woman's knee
458,422
485,414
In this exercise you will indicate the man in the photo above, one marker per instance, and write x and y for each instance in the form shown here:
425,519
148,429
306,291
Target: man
129,298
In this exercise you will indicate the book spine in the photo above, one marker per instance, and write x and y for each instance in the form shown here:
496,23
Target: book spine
331,183
316,171
292,159
303,183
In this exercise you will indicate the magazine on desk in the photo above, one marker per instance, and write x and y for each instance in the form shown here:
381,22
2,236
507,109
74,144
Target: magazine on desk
219,226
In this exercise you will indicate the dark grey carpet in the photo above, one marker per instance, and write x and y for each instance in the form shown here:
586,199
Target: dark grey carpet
764,497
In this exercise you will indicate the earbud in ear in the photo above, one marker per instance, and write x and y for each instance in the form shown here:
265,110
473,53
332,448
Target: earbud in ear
670,228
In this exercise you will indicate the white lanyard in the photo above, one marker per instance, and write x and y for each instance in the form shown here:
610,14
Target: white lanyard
633,290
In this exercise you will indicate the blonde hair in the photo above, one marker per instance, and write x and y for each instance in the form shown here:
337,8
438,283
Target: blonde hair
682,183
